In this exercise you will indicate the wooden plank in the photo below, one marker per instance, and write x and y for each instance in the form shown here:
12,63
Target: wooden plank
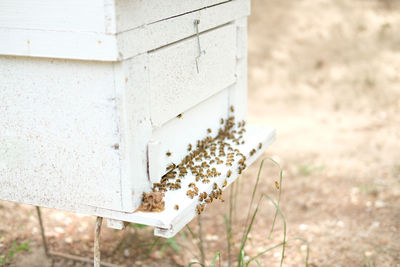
59,133
149,37
170,221
176,85
134,13
176,220
57,44
238,96
133,92
116,47
53,15
175,135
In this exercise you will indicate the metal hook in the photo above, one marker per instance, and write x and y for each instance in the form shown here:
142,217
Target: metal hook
201,52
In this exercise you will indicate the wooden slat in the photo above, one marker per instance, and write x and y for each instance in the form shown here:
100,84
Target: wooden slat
116,47
171,221
134,13
178,133
59,131
176,85
53,15
58,44
162,33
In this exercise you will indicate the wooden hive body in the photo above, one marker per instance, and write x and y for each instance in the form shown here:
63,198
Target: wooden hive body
94,94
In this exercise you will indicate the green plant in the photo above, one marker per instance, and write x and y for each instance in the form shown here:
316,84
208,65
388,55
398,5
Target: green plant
15,249
307,169
137,225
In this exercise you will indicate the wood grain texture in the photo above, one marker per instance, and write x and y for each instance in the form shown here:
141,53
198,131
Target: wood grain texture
53,15
175,84
98,45
135,13
59,143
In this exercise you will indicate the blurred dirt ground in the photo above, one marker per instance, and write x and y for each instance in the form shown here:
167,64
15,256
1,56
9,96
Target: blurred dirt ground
326,73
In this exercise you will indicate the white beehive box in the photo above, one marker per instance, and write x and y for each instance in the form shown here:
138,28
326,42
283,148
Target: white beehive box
94,93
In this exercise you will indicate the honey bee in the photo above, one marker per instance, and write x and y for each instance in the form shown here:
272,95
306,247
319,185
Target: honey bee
209,200
228,174
215,186
192,185
170,175
204,164
168,154
208,130
225,183
179,116
277,185
252,152
222,121
171,166
206,181
232,109
228,164
189,147
176,206
190,193
259,145
197,178
198,209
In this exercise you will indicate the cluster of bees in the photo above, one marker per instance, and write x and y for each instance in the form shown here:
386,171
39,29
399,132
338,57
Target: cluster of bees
202,160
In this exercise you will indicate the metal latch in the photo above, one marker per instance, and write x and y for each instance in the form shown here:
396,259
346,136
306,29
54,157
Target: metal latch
201,52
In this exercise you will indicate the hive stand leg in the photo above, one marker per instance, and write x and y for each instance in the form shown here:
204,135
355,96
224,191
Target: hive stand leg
53,254
39,213
97,230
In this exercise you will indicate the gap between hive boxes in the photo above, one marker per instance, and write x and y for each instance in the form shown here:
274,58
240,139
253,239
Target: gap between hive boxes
170,221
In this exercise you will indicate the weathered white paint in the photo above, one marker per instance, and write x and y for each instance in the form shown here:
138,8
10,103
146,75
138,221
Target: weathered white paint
152,36
134,13
53,15
171,221
115,224
175,83
59,126
175,135
238,96
87,45
58,44
132,80
90,136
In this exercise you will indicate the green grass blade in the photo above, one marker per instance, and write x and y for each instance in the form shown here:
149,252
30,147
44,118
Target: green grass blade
173,244
192,263
283,244
201,246
307,251
228,238
153,245
244,240
279,196
191,232
262,253
253,194
217,254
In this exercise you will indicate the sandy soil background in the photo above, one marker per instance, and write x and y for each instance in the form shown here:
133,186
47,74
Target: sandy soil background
326,74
